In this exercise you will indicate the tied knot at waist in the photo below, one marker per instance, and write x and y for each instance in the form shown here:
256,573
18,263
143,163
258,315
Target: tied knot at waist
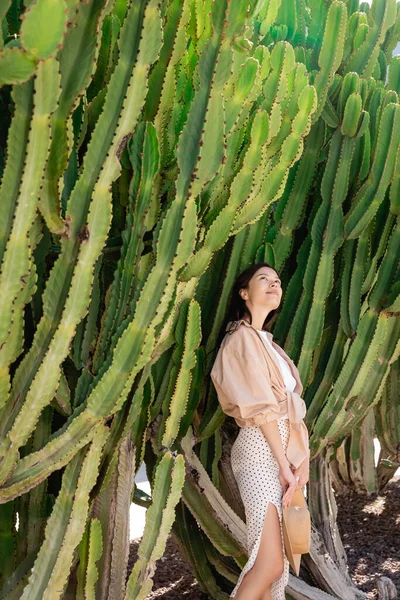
296,407
298,444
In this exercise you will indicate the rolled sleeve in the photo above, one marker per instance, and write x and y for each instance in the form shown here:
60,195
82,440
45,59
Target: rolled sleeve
244,389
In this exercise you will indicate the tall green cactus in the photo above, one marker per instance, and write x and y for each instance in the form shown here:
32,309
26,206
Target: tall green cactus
154,150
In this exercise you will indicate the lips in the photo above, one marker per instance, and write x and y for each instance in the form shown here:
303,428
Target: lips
275,293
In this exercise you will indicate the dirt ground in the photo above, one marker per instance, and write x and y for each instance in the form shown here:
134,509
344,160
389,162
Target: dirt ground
369,526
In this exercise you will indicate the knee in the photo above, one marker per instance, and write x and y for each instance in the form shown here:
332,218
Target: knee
269,573
274,571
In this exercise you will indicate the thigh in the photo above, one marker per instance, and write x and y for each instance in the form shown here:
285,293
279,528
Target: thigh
270,553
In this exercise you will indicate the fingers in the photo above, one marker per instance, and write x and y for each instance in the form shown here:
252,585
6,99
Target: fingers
292,487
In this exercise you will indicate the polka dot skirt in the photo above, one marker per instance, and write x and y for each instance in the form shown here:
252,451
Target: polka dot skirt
257,474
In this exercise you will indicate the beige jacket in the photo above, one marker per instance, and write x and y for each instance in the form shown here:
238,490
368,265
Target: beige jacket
251,389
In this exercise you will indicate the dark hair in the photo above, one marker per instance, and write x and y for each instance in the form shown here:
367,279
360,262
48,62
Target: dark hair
237,308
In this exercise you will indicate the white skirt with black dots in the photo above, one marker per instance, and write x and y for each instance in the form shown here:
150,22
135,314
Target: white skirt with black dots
257,474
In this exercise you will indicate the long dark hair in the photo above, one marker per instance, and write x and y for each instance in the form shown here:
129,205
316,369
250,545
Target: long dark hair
237,308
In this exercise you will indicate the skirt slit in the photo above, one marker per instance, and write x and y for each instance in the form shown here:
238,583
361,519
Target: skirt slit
257,474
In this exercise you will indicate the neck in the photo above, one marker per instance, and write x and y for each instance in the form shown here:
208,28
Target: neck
258,318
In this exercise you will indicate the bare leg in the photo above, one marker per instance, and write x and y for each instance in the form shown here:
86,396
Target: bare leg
268,566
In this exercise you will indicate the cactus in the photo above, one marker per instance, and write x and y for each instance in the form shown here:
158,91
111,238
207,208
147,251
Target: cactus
154,150
66,524
95,552
166,490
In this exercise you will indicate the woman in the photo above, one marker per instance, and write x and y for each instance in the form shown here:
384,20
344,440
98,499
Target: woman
259,385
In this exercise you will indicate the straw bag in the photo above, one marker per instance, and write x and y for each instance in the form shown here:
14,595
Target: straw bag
296,523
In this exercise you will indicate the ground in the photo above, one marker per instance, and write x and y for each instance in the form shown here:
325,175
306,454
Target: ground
369,526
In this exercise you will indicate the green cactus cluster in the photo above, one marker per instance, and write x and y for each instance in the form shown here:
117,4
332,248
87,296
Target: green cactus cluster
154,149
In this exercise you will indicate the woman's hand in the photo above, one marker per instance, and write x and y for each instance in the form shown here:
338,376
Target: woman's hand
303,473
288,482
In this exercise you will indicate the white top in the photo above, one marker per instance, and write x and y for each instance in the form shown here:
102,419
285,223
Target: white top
288,379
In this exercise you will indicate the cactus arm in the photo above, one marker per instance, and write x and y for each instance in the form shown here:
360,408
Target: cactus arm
224,565
219,230
88,326
103,510
16,582
59,451
375,348
387,413
143,144
331,53
347,258
384,228
59,281
105,62
56,525
332,416
15,341
170,382
168,101
17,278
334,189
16,66
382,17
46,93
97,227
16,151
80,45
120,547
331,371
228,532
171,52
123,425
243,90
183,382
95,552
62,398
166,490
37,497
273,184
209,521
387,270
357,278
371,194
230,274
187,535
295,295
44,27
362,465
49,575
370,382
295,207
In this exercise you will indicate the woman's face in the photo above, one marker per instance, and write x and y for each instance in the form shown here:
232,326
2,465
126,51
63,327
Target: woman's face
264,289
